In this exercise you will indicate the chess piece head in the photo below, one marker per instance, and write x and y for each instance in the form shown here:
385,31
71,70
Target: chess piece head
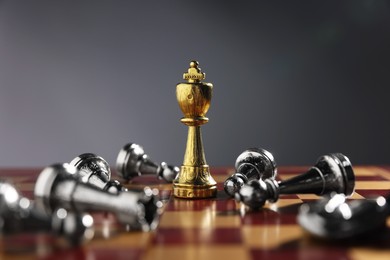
234,183
254,163
336,218
259,160
96,171
89,164
132,161
254,194
167,172
337,172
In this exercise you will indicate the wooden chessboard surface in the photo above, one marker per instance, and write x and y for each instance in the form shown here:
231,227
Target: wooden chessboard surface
216,228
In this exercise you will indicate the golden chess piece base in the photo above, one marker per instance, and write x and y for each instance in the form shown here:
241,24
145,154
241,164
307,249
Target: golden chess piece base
192,191
194,183
194,180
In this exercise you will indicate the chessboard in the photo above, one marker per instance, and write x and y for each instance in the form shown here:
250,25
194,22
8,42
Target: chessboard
218,228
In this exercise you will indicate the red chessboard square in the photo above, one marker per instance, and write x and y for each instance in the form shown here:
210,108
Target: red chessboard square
165,194
177,204
221,203
373,193
108,253
17,172
287,170
371,178
227,206
71,253
179,236
291,252
286,215
28,194
222,171
220,186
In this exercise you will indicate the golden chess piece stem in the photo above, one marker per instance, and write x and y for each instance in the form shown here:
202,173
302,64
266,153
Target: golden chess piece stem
194,180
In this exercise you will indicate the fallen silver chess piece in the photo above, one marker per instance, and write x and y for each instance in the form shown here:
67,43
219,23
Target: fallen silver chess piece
252,164
60,185
19,215
331,173
337,218
132,161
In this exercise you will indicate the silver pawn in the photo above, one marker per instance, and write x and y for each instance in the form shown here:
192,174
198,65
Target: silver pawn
96,171
60,185
252,164
132,162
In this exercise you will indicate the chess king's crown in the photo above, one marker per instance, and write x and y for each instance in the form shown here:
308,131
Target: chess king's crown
194,96
194,73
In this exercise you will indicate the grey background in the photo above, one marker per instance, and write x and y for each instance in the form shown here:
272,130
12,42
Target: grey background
299,78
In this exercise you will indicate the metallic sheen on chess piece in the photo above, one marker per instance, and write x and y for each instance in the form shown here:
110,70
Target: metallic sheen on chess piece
132,162
332,173
335,218
18,215
96,171
194,180
60,185
252,164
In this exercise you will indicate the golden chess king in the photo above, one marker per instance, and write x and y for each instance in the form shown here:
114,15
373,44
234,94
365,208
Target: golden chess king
194,96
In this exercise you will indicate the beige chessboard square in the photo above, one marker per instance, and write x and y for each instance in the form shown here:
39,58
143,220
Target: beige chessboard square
364,253
364,171
123,240
287,176
382,172
193,252
355,195
372,185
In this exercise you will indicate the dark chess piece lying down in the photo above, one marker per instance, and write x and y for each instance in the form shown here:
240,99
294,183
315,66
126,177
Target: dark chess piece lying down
60,185
18,215
252,164
331,173
335,218
132,161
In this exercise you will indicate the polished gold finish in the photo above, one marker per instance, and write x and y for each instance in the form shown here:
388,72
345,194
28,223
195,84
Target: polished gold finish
194,180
